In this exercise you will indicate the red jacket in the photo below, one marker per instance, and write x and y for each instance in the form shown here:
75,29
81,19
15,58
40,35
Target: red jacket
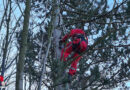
83,43
77,45
1,78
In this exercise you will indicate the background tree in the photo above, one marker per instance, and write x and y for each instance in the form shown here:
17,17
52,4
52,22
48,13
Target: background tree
8,24
23,47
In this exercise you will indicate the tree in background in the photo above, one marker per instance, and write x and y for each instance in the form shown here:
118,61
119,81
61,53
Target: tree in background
23,47
7,40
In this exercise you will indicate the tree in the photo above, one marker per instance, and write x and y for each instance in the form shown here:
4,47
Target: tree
7,40
23,47
104,65
104,59
109,23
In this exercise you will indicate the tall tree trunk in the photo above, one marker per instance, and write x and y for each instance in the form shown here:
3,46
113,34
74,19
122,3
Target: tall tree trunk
5,13
43,66
6,41
57,34
23,48
57,21
45,58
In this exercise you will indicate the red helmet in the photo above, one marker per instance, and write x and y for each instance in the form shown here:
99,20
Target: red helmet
76,31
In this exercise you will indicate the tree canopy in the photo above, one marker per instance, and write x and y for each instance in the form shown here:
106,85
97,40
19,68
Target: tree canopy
104,65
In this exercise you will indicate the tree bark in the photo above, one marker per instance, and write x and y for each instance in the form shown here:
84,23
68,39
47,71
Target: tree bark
5,13
23,48
6,42
43,66
57,21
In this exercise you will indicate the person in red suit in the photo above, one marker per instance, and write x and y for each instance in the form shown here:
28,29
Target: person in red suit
1,80
74,48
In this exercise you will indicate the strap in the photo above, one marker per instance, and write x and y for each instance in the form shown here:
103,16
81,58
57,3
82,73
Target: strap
72,68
